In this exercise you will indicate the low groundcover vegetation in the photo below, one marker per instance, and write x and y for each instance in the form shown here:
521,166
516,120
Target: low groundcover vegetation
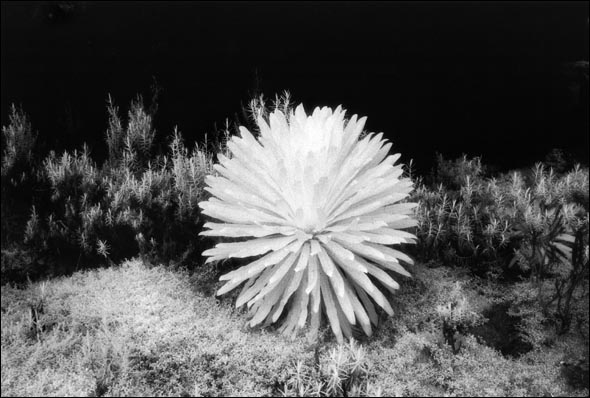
105,291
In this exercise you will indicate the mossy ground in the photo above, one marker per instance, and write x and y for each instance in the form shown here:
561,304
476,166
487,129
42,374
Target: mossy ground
137,330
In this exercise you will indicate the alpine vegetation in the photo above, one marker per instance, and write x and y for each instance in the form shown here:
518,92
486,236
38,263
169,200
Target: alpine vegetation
317,204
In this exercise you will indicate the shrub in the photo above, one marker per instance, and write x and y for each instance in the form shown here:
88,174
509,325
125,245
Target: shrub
342,371
130,148
515,225
558,160
160,204
76,217
18,174
469,227
484,222
570,280
136,202
454,174
457,316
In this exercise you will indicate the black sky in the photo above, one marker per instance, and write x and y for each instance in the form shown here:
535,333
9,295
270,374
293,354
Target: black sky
485,79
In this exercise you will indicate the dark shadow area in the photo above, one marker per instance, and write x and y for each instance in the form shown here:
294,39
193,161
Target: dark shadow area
500,331
454,78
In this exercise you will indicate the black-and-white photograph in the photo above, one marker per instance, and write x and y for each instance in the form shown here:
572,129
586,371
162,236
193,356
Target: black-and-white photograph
295,198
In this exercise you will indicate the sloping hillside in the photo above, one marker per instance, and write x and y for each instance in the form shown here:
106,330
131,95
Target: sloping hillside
139,330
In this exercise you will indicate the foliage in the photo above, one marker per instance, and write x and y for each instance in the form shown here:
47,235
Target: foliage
342,371
259,106
569,281
525,225
69,224
134,330
16,262
139,330
321,225
543,242
457,316
18,142
559,161
411,357
553,240
485,222
80,212
454,174
468,227
130,147
18,149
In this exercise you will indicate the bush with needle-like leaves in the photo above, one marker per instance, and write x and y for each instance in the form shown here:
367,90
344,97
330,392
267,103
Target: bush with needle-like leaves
318,205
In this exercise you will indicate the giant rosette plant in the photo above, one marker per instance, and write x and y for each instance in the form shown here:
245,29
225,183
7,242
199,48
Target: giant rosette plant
316,204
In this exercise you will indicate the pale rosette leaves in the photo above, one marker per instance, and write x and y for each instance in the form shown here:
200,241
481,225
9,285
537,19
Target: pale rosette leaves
317,206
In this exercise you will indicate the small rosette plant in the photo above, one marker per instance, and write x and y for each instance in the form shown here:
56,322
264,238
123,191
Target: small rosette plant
317,207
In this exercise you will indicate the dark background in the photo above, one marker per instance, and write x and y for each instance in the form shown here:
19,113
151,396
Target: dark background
490,79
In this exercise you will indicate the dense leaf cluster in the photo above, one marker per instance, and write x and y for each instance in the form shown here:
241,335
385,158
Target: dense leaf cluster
522,224
136,202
